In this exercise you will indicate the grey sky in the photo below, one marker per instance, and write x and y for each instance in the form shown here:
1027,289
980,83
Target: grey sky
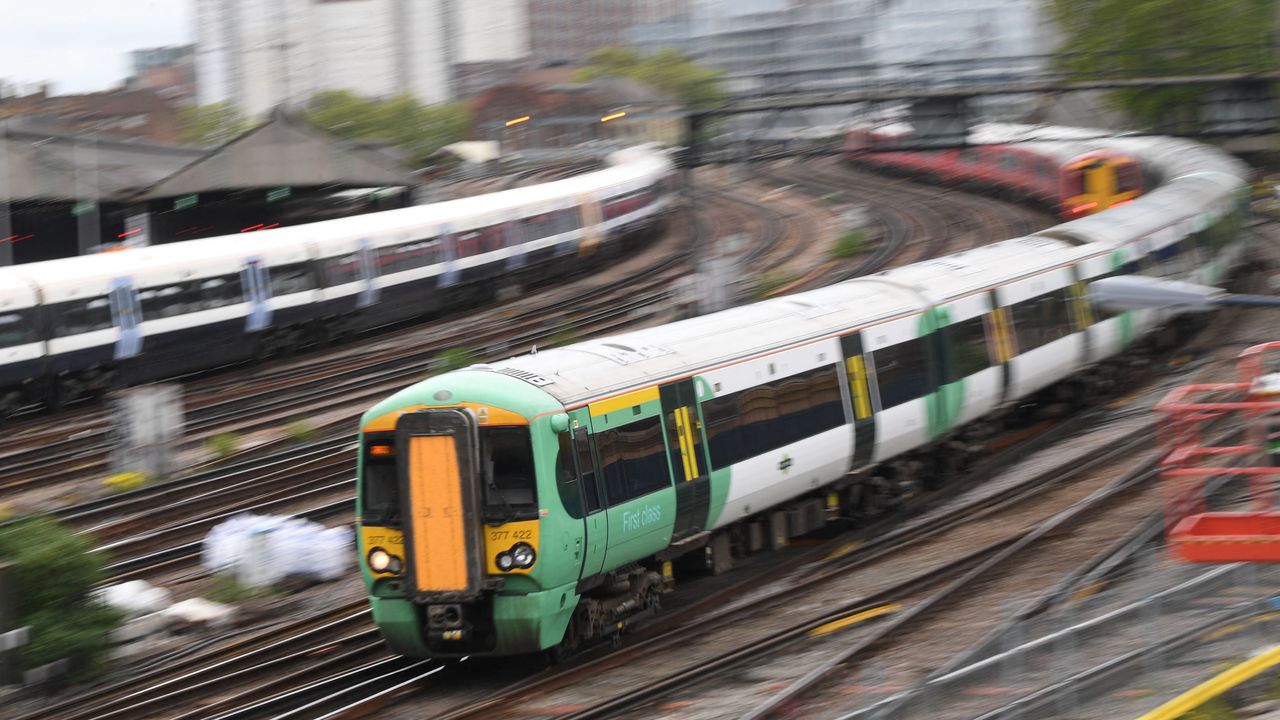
83,45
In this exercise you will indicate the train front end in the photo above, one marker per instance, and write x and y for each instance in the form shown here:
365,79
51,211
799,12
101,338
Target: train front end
460,549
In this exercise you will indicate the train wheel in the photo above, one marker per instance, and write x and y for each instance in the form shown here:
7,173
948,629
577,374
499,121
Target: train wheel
573,637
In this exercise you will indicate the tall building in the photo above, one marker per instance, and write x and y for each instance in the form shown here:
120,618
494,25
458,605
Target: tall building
169,71
916,31
492,40
257,54
804,46
567,31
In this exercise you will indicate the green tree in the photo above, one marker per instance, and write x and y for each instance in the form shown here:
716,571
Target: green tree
54,569
1150,38
668,71
418,129
212,124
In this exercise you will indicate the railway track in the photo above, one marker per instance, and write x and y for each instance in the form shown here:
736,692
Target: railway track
914,222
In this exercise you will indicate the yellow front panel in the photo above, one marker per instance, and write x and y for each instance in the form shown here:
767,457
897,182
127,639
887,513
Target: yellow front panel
389,539
503,537
485,415
436,518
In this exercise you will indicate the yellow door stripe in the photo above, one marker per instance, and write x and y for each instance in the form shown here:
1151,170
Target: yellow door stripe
619,402
686,439
1004,342
682,438
857,370
691,424
854,619
1084,313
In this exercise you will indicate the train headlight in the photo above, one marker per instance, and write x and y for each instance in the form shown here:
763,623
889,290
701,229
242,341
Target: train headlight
522,555
381,561
504,561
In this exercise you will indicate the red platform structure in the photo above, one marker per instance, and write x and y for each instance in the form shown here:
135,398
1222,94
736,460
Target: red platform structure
1213,432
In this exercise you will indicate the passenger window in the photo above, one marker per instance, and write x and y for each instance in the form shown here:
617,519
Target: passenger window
902,372
289,279
634,460
338,271
1042,319
967,349
164,301
469,243
218,292
766,417
567,478
587,470
407,256
17,327
82,316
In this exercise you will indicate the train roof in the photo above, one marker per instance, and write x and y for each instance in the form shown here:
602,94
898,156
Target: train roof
598,367
601,367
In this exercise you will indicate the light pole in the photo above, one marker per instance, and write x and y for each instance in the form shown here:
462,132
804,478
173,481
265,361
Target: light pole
6,193
514,122
1122,293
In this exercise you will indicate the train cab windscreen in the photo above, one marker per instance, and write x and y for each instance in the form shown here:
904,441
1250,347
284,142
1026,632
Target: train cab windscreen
381,489
510,488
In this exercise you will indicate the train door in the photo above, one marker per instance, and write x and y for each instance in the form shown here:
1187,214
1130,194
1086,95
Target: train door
368,273
514,236
688,461
257,292
864,417
595,522
592,230
1000,329
126,316
449,254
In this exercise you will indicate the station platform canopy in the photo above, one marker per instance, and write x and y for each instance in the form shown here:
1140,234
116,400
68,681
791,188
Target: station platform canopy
283,152
39,165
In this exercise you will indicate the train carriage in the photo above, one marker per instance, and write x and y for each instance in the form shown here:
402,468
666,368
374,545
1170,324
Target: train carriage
83,325
1073,172
537,502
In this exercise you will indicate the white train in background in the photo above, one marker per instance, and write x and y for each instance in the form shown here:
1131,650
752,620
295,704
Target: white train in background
81,325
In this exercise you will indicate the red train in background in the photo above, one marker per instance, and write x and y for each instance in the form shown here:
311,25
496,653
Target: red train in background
1073,178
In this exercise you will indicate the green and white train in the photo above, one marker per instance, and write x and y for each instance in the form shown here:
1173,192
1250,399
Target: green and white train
537,502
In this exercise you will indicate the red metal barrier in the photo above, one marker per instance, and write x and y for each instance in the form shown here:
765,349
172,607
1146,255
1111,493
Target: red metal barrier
1252,406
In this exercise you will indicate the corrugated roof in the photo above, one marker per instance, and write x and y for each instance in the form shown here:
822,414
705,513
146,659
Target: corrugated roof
37,165
283,152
